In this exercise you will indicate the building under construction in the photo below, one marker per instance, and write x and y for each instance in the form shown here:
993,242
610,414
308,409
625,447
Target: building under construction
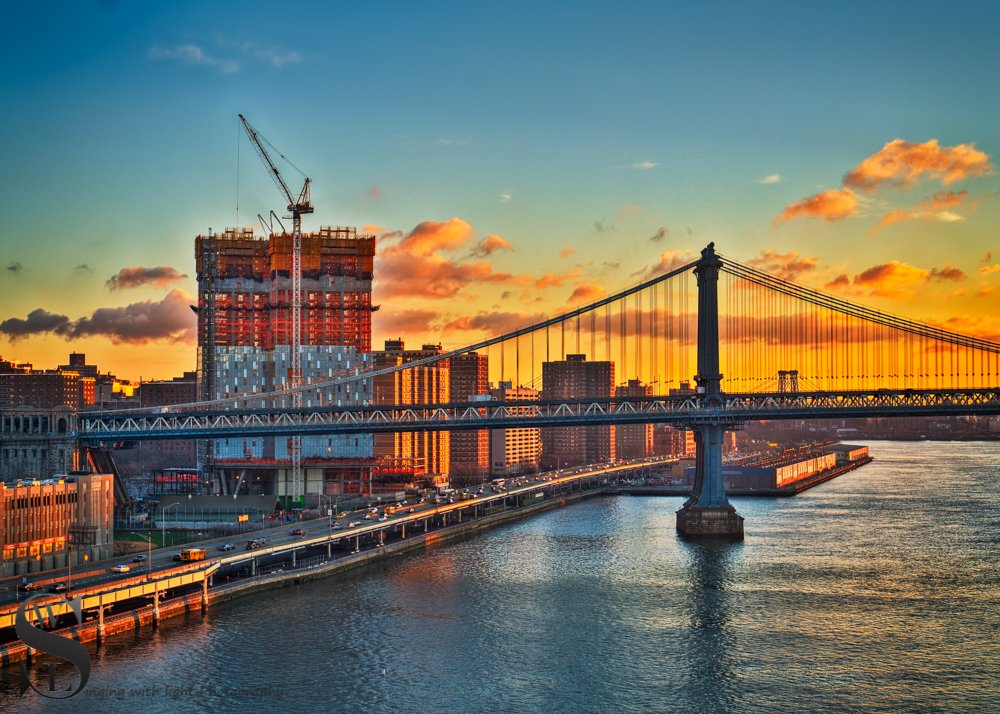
244,348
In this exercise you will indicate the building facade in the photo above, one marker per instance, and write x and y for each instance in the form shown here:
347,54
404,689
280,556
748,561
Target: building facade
470,449
633,441
49,523
514,451
37,444
576,378
244,345
426,453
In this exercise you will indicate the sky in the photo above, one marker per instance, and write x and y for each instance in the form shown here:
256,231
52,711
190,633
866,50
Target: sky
513,158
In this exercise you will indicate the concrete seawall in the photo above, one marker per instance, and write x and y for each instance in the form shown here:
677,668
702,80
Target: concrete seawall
136,620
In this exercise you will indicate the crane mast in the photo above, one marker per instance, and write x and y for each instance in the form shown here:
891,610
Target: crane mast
297,206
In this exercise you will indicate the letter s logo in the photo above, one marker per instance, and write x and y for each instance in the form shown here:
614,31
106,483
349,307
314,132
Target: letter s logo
62,647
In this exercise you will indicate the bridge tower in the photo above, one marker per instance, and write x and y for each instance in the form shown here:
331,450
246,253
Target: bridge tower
708,513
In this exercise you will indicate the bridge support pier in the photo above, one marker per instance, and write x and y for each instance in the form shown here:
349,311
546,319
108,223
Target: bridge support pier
708,513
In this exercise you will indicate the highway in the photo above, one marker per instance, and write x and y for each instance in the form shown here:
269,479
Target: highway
365,528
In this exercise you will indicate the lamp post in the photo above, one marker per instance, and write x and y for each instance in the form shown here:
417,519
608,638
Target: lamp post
149,555
163,521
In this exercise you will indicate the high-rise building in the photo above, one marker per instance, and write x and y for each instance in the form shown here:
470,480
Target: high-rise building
514,451
576,378
633,441
425,453
244,344
470,449
37,444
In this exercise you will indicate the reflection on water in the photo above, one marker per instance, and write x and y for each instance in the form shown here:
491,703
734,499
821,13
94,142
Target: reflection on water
878,591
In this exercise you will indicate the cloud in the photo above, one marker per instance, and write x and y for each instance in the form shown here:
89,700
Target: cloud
900,162
139,323
892,279
15,268
193,56
373,191
788,266
990,269
669,260
933,208
833,204
586,293
770,179
416,265
490,244
644,165
277,56
567,251
987,257
556,280
83,268
840,282
661,233
136,276
948,272
38,322
602,226
629,209
493,323
405,321
504,197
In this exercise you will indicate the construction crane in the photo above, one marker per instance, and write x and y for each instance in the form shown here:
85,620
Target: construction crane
297,206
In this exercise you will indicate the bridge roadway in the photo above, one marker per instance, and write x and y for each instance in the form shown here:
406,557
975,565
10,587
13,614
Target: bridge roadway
116,427
98,579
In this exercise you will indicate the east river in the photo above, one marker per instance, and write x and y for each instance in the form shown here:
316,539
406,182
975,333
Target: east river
878,591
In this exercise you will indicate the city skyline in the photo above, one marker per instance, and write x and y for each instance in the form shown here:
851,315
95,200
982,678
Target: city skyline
511,163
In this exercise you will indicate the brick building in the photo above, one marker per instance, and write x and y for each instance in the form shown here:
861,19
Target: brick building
576,378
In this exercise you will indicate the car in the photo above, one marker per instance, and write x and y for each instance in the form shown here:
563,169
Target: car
227,547
352,524
139,559
297,532
176,556
58,588
122,568
411,510
338,526
28,587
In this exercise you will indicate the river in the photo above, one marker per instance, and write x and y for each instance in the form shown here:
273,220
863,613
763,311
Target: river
877,591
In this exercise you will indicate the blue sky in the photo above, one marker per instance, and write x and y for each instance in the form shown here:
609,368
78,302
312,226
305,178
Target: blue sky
587,125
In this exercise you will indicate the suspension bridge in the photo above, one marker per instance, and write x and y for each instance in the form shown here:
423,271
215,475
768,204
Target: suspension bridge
784,351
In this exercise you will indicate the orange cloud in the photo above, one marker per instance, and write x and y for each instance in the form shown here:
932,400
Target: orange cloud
934,208
137,276
586,293
493,323
900,162
567,251
490,244
839,282
415,266
948,272
892,279
987,269
788,266
832,204
403,322
669,260
555,280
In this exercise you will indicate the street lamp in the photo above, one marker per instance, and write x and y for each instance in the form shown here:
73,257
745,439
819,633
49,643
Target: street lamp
149,555
163,521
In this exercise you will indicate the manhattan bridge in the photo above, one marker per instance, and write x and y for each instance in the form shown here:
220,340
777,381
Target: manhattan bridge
757,347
